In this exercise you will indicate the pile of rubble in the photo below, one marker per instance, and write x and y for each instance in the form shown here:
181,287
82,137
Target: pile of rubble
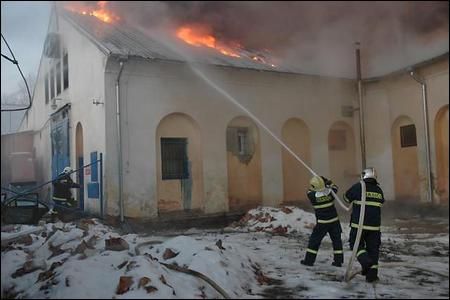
279,221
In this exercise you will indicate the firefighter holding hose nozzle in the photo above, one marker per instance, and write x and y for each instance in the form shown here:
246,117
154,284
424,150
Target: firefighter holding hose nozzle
322,200
61,189
369,245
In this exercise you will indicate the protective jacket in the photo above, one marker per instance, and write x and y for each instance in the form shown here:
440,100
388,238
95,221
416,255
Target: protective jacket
327,222
374,201
62,186
323,204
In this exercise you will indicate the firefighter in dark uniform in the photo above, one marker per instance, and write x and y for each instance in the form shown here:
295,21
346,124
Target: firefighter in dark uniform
62,195
327,221
369,245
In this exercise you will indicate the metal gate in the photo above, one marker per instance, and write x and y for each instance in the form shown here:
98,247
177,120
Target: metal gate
60,142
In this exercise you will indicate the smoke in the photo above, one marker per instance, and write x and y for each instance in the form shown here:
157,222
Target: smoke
313,37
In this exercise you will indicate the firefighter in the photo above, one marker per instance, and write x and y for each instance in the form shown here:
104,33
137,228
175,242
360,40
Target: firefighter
369,245
61,189
327,221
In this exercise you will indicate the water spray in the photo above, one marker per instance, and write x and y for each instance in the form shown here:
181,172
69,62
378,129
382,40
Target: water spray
249,113
229,97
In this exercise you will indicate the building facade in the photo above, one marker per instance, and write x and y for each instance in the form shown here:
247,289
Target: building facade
186,147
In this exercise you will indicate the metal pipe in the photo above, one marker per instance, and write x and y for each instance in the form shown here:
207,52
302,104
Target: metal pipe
427,130
119,140
361,108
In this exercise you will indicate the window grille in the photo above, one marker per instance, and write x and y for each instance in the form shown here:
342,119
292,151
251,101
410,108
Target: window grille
408,136
174,160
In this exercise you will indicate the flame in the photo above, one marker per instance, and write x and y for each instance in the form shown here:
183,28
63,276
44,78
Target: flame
198,37
100,12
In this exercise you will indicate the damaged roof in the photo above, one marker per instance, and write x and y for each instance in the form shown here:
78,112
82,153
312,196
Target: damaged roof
123,39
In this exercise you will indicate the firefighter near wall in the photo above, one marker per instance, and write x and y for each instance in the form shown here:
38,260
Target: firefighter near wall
327,220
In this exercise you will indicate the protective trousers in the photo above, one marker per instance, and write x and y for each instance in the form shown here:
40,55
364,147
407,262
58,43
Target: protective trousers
320,230
368,251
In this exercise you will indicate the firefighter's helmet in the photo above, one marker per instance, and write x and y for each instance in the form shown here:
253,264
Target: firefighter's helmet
317,183
67,170
369,173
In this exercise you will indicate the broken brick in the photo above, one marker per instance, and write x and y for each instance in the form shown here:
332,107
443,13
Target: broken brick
286,210
116,244
280,230
143,281
45,275
28,267
124,284
150,289
27,240
80,248
168,253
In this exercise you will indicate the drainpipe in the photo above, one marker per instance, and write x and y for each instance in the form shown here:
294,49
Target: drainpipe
362,137
119,139
427,140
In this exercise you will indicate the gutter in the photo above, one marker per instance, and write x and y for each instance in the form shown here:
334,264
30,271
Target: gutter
119,136
407,69
429,176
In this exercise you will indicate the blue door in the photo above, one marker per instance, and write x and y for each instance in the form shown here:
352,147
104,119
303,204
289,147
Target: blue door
81,182
60,146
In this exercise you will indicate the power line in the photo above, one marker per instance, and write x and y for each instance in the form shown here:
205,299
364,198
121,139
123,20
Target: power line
15,62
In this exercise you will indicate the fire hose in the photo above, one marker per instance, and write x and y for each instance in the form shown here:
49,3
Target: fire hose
348,276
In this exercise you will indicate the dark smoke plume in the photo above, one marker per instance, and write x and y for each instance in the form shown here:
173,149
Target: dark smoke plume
314,37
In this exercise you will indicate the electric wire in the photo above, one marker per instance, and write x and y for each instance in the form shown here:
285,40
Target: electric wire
15,62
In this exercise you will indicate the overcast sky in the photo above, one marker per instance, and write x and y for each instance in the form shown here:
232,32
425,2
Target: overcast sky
24,26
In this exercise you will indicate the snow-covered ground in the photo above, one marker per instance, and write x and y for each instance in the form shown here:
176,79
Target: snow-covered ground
258,257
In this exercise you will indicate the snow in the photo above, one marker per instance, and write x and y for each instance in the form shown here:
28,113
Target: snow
268,218
252,262
18,230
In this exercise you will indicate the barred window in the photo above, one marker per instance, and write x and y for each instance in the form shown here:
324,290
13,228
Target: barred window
408,136
58,78
243,145
47,96
66,71
52,83
174,160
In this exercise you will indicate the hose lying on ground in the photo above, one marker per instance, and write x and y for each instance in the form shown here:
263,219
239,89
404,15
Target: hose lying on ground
199,275
185,270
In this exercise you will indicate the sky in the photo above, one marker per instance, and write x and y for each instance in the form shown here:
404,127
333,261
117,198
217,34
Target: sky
24,26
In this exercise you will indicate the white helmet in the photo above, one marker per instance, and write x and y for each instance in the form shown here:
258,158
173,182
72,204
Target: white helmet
369,173
67,170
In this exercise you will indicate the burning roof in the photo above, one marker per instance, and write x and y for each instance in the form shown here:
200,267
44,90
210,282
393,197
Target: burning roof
304,38
119,38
